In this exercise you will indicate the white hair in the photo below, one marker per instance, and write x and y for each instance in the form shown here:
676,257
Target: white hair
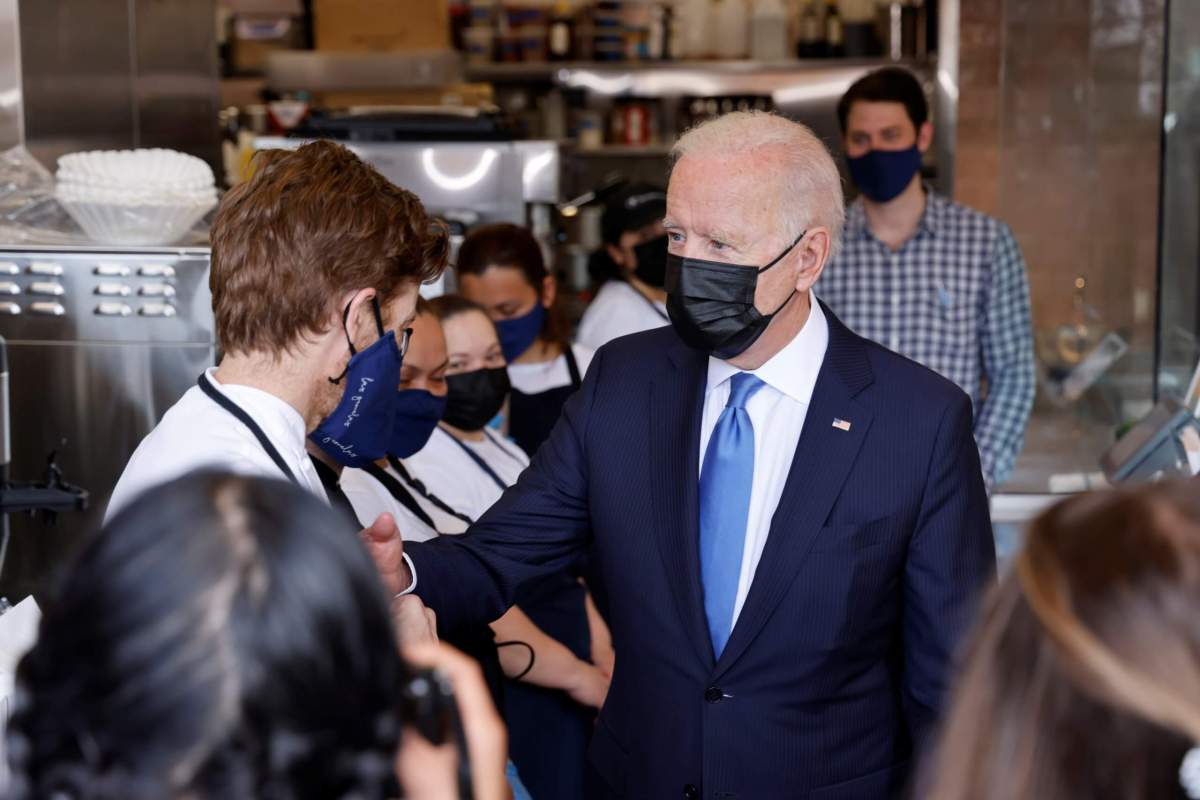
810,182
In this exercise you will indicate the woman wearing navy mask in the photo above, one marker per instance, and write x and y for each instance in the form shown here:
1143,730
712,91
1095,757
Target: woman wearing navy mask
385,484
501,268
468,466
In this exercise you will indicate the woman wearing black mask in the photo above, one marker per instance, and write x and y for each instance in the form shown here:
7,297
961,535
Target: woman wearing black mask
466,463
634,299
468,466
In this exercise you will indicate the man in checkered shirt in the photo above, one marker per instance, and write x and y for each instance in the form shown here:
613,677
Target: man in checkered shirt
938,282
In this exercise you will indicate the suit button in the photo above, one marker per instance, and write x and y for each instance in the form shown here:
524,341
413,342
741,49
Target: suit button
690,792
713,694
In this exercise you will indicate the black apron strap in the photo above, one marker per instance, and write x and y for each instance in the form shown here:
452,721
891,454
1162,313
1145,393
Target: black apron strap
398,491
572,367
239,413
333,490
420,489
479,462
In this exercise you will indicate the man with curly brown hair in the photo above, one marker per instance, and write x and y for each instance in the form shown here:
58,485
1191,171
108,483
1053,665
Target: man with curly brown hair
316,262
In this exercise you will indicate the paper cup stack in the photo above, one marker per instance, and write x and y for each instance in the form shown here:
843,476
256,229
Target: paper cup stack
135,197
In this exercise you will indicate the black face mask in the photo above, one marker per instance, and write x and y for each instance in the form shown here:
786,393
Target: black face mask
652,261
711,304
475,397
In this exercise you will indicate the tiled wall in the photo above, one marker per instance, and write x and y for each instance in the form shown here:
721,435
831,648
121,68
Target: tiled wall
1059,135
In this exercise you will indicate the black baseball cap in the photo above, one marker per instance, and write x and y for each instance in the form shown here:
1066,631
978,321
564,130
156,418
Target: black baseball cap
630,206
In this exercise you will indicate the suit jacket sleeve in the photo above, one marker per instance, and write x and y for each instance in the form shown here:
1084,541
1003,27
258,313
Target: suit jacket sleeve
951,560
538,527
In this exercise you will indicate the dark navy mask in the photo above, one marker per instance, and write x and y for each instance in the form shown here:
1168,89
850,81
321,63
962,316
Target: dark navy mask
883,174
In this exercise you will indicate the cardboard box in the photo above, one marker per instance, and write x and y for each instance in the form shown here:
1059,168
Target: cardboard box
256,38
374,25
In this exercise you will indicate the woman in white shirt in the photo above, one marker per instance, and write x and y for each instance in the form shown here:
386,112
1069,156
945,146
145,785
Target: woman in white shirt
632,297
468,466
501,268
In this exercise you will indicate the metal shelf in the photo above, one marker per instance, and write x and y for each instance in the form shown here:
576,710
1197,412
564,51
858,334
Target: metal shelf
557,72
622,151
787,82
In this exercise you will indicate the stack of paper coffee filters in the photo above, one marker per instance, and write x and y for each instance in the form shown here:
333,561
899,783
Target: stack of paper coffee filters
136,197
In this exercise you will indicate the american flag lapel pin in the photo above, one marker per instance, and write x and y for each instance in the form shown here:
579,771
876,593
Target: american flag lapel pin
841,424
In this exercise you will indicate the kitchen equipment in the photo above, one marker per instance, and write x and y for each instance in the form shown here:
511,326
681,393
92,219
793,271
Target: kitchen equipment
495,180
407,124
1155,448
101,341
47,498
453,159
135,196
464,166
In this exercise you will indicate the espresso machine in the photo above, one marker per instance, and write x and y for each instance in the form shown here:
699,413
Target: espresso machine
101,342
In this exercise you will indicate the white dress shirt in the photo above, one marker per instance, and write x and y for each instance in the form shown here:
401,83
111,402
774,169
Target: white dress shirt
455,478
777,411
618,310
196,432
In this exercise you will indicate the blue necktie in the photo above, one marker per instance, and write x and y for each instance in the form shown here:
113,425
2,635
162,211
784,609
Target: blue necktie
725,483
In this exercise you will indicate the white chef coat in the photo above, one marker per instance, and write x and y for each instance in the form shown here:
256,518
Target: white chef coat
448,472
196,432
370,498
619,310
538,378
777,411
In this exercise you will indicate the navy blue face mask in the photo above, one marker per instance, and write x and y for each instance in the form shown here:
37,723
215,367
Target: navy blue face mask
518,335
417,414
883,174
358,430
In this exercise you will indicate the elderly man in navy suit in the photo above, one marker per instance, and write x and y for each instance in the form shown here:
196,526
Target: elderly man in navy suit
789,521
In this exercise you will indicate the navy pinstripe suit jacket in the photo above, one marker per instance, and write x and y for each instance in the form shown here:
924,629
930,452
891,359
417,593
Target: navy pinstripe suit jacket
838,666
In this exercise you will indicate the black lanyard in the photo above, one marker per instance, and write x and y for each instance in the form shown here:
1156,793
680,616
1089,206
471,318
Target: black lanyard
398,491
337,498
420,489
237,411
572,367
479,462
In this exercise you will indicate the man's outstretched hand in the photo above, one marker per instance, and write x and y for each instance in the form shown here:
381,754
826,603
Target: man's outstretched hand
383,542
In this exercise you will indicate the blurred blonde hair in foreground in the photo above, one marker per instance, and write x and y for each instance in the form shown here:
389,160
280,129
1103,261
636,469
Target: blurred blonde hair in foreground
1082,678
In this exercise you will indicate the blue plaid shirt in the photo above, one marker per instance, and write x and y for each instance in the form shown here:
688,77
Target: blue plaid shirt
955,298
